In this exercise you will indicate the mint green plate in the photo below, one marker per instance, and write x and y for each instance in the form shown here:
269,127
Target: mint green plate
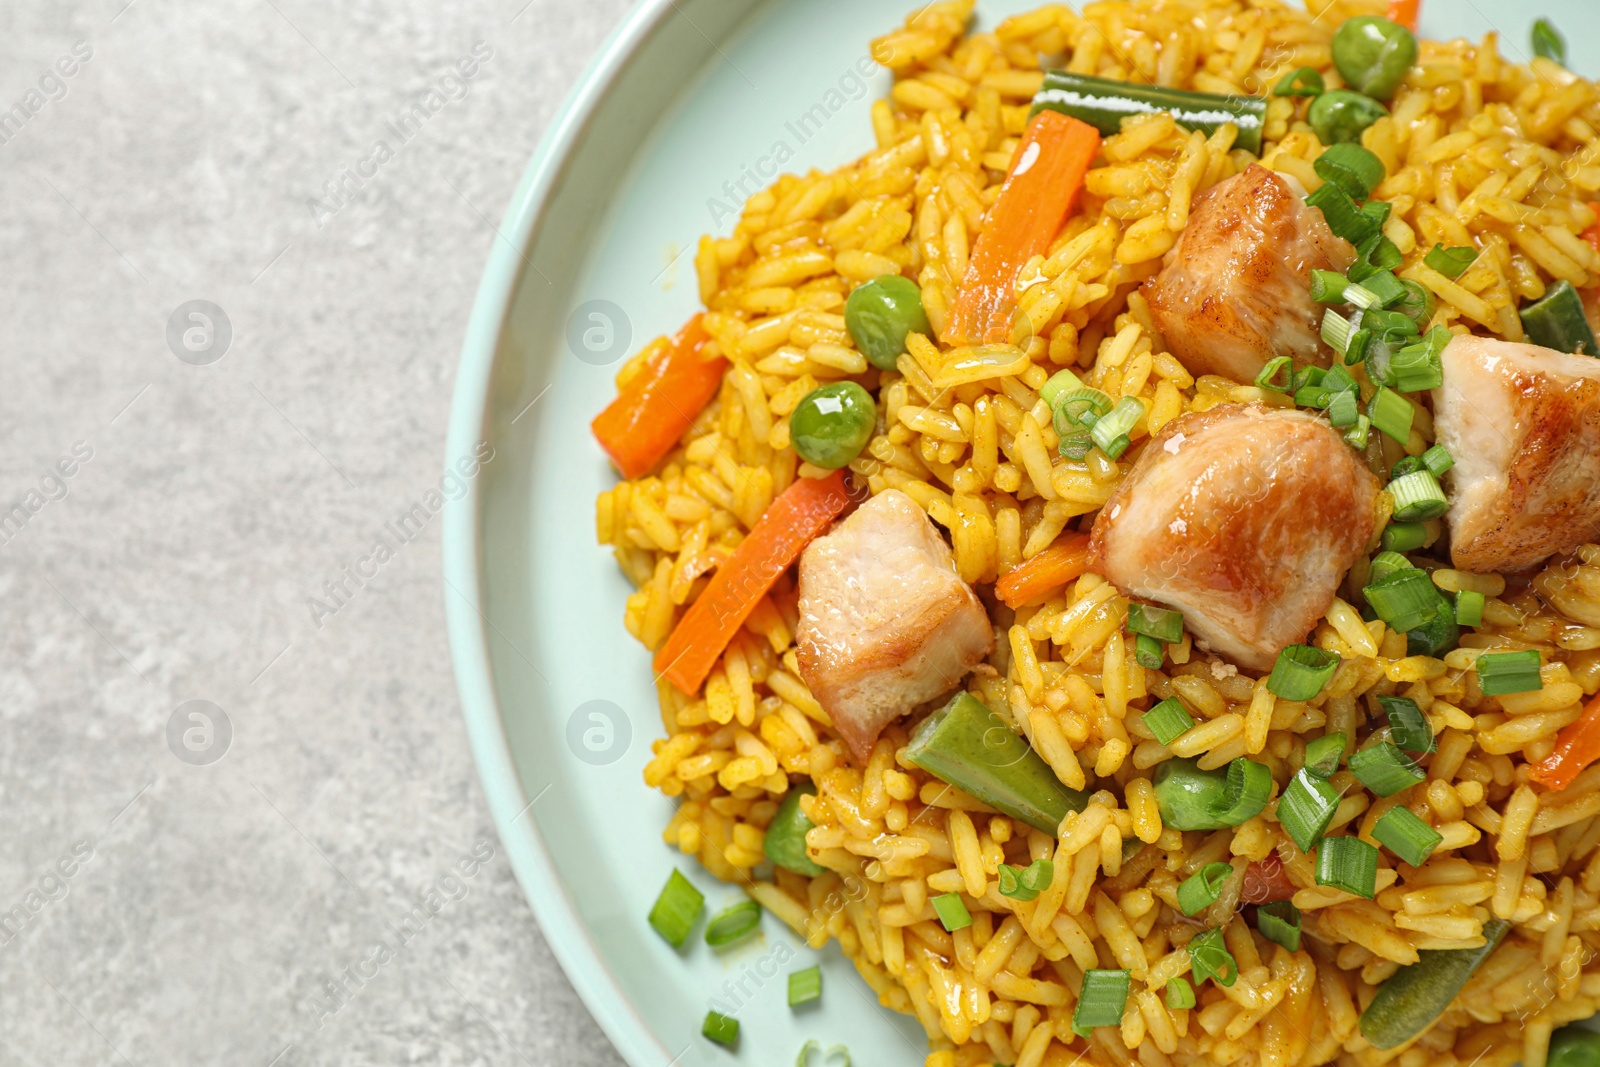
681,116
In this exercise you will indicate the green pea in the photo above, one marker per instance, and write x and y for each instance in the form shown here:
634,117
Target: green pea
880,313
1573,1046
786,834
831,426
1373,54
1339,116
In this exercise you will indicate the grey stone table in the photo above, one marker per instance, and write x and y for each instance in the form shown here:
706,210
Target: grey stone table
238,243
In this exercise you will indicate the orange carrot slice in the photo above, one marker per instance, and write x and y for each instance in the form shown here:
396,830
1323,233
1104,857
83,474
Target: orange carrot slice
1042,575
649,416
800,513
1037,197
1577,746
1405,12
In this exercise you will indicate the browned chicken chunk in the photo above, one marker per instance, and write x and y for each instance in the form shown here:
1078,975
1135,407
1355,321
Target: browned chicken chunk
885,622
1245,518
1235,290
1523,426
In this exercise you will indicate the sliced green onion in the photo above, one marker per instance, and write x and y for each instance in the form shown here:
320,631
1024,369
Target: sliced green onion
1209,958
723,1029
1276,366
1557,321
1026,883
1348,863
676,909
1309,375
1160,623
1418,302
1103,103
1339,380
1451,262
1249,788
1113,427
1404,536
1201,889
805,986
1168,720
1386,288
1307,81
1405,599
1409,728
1386,563
1378,211
1469,608
1148,652
1509,672
1401,832
1548,42
1279,922
1323,755
1418,497
1306,808
1411,999
1416,367
733,924
952,912
1079,408
1357,435
1391,413
1059,384
1328,286
1076,445
1380,252
1301,671
1101,1000
838,1054
1438,635
1404,466
1438,460
1356,349
1384,769
1343,410
1180,994
1352,168
1342,215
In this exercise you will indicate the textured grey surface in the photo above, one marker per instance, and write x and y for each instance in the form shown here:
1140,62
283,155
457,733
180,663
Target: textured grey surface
319,894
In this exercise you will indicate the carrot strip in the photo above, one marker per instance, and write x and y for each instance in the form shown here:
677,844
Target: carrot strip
800,513
1405,12
1577,746
1592,234
1039,193
1051,569
649,416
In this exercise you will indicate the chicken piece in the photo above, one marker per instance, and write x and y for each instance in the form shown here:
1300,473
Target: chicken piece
885,622
1523,426
1235,290
1245,518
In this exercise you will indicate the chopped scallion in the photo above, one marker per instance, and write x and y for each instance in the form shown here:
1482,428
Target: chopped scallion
1438,460
952,912
1469,608
1391,413
1279,922
1328,286
1249,787
1336,331
1548,42
1416,367
1386,288
1409,728
1101,1000
1418,497
1357,434
1180,994
1026,883
1438,635
805,986
1324,753
1080,407
1403,833
1343,409
1451,262
1148,652
1277,375
1209,958
1386,563
1405,599
733,924
1509,672
1059,384
723,1029
1306,808
1352,168
1301,671
1344,218
1384,769
1306,81
1168,720
1111,430
1201,889
1162,624
1348,863
1404,536
676,909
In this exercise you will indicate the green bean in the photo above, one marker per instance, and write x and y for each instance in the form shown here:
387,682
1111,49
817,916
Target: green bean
831,426
1573,1046
1411,998
880,313
786,834
1339,116
1373,54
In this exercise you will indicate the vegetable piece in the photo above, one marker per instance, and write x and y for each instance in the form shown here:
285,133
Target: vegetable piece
838,1054
1209,959
1159,623
1418,302
1577,746
1574,1046
1302,671
1509,672
1409,729
1342,409
800,513
1043,574
1418,497
1556,320
1451,262
1391,413
1306,808
1104,103
1111,430
1180,994
1038,194
1438,460
1201,889
1548,42
1278,374
1148,652
1324,753
1384,769
1348,863
1373,54
1306,81
1026,883
1058,385
1343,217
1410,1000
880,312
832,424
1405,12
1405,599
969,746
786,835
676,909
1437,636
1168,720
659,403
1266,880
1407,836
1386,563
1404,536
1352,168
952,912
1469,608
1357,435
1416,366
1101,1000
723,1029
1340,116
733,924
1246,792
1383,285
1280,923
805,987
1187,795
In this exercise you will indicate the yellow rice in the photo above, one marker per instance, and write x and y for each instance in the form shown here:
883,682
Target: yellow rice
1478,151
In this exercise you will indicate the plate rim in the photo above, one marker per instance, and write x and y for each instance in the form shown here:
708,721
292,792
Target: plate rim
460,547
